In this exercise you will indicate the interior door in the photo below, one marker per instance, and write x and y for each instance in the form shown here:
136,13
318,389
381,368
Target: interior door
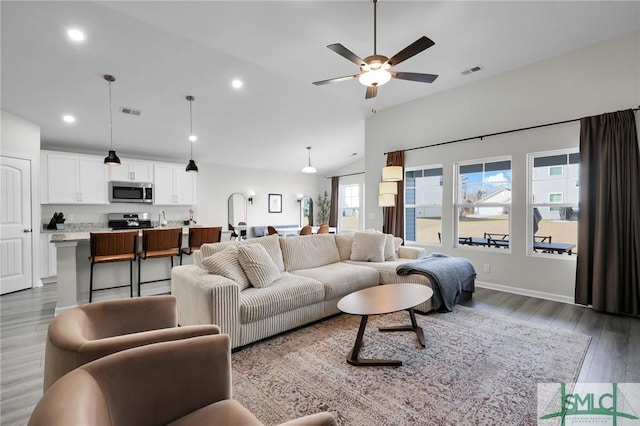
15,225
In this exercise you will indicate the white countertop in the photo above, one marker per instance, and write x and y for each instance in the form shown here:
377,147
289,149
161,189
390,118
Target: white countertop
84,235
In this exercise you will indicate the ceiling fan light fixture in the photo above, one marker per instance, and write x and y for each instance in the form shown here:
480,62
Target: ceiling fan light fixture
309,168
375,77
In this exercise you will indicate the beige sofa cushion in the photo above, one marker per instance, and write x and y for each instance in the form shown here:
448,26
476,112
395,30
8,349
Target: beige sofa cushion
270,244
344,242
226,263
257,264
368,246
286,294
309,251
340,278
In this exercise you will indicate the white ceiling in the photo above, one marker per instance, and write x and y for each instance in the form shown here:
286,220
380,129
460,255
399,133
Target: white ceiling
160,52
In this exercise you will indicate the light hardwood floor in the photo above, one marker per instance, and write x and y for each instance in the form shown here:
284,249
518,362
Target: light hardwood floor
613,356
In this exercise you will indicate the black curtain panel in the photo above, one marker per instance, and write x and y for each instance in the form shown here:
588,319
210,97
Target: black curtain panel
393,217
608,265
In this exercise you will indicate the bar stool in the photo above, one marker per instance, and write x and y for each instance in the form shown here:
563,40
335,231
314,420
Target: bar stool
109,247
324,229
199,236
159,243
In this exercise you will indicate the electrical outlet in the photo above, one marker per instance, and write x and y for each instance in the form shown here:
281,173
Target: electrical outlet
487,268
70,218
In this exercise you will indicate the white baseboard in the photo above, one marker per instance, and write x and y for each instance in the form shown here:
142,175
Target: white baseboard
525,292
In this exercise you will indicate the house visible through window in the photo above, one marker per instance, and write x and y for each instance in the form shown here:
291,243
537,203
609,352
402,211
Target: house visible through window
483,203
553,204
423,204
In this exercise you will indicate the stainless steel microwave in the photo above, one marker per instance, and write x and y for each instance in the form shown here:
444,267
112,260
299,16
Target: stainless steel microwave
130,192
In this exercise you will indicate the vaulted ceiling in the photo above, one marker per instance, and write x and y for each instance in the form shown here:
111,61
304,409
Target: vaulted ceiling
161,52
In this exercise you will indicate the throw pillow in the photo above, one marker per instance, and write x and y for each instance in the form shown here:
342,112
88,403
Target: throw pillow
226,263
389,248
258,265
368,246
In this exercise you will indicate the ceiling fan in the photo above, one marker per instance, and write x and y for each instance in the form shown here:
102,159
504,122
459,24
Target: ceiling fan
375,70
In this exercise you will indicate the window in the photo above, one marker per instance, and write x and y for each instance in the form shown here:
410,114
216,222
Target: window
555,197
423,204
555,171
553,202
484,202
349,208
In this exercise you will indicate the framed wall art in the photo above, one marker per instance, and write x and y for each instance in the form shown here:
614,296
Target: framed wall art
275,203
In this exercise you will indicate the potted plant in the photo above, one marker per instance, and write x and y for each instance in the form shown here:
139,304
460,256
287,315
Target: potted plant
323,204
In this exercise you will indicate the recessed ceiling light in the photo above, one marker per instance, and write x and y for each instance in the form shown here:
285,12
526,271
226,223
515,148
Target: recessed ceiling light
193,138
69,118
237,83
75,34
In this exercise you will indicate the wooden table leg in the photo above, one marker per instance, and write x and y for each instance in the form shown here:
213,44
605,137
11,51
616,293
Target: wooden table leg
353,357
413,327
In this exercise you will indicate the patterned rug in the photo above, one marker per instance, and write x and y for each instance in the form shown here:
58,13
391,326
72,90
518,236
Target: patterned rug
477,369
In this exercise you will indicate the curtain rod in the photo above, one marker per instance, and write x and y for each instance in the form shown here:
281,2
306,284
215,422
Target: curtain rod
497,133
350,174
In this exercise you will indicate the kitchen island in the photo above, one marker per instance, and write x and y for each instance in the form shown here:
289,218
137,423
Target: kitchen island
73,271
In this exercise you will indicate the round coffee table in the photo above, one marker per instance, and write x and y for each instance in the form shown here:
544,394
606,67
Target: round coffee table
384,299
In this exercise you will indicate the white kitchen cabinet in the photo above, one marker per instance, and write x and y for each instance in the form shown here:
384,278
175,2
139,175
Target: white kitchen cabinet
48,265
74,179
172,185
132,170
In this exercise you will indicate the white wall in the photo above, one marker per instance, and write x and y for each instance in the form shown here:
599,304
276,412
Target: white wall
21,138
216,183
590,81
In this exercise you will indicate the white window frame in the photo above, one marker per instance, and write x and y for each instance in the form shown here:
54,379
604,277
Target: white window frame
531,203
343,206
416,206
457,205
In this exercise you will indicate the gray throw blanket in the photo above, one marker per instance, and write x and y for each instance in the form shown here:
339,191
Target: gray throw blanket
450,275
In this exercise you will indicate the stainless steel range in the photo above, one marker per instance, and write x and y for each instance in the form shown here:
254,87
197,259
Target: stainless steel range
118,221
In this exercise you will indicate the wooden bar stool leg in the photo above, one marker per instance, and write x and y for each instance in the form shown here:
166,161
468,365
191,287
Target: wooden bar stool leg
131,278
139,263
91,283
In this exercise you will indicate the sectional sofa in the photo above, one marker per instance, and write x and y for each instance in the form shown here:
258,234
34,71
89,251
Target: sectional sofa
256,288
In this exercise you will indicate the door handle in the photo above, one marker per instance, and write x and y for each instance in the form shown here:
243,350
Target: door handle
26,231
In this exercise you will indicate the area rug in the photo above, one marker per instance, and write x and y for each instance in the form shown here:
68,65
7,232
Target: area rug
476,369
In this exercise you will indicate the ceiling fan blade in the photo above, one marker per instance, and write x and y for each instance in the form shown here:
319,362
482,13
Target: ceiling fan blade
346,53
414,76
372,91
413,49
336,80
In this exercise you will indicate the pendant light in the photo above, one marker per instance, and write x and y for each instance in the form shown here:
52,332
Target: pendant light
309,168
392,174
111,159
191,167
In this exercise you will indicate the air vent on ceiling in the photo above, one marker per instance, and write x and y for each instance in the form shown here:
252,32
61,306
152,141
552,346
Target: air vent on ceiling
472,70
130,111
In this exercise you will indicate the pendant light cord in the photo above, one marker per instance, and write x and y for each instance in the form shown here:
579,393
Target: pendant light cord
110,117
190,128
